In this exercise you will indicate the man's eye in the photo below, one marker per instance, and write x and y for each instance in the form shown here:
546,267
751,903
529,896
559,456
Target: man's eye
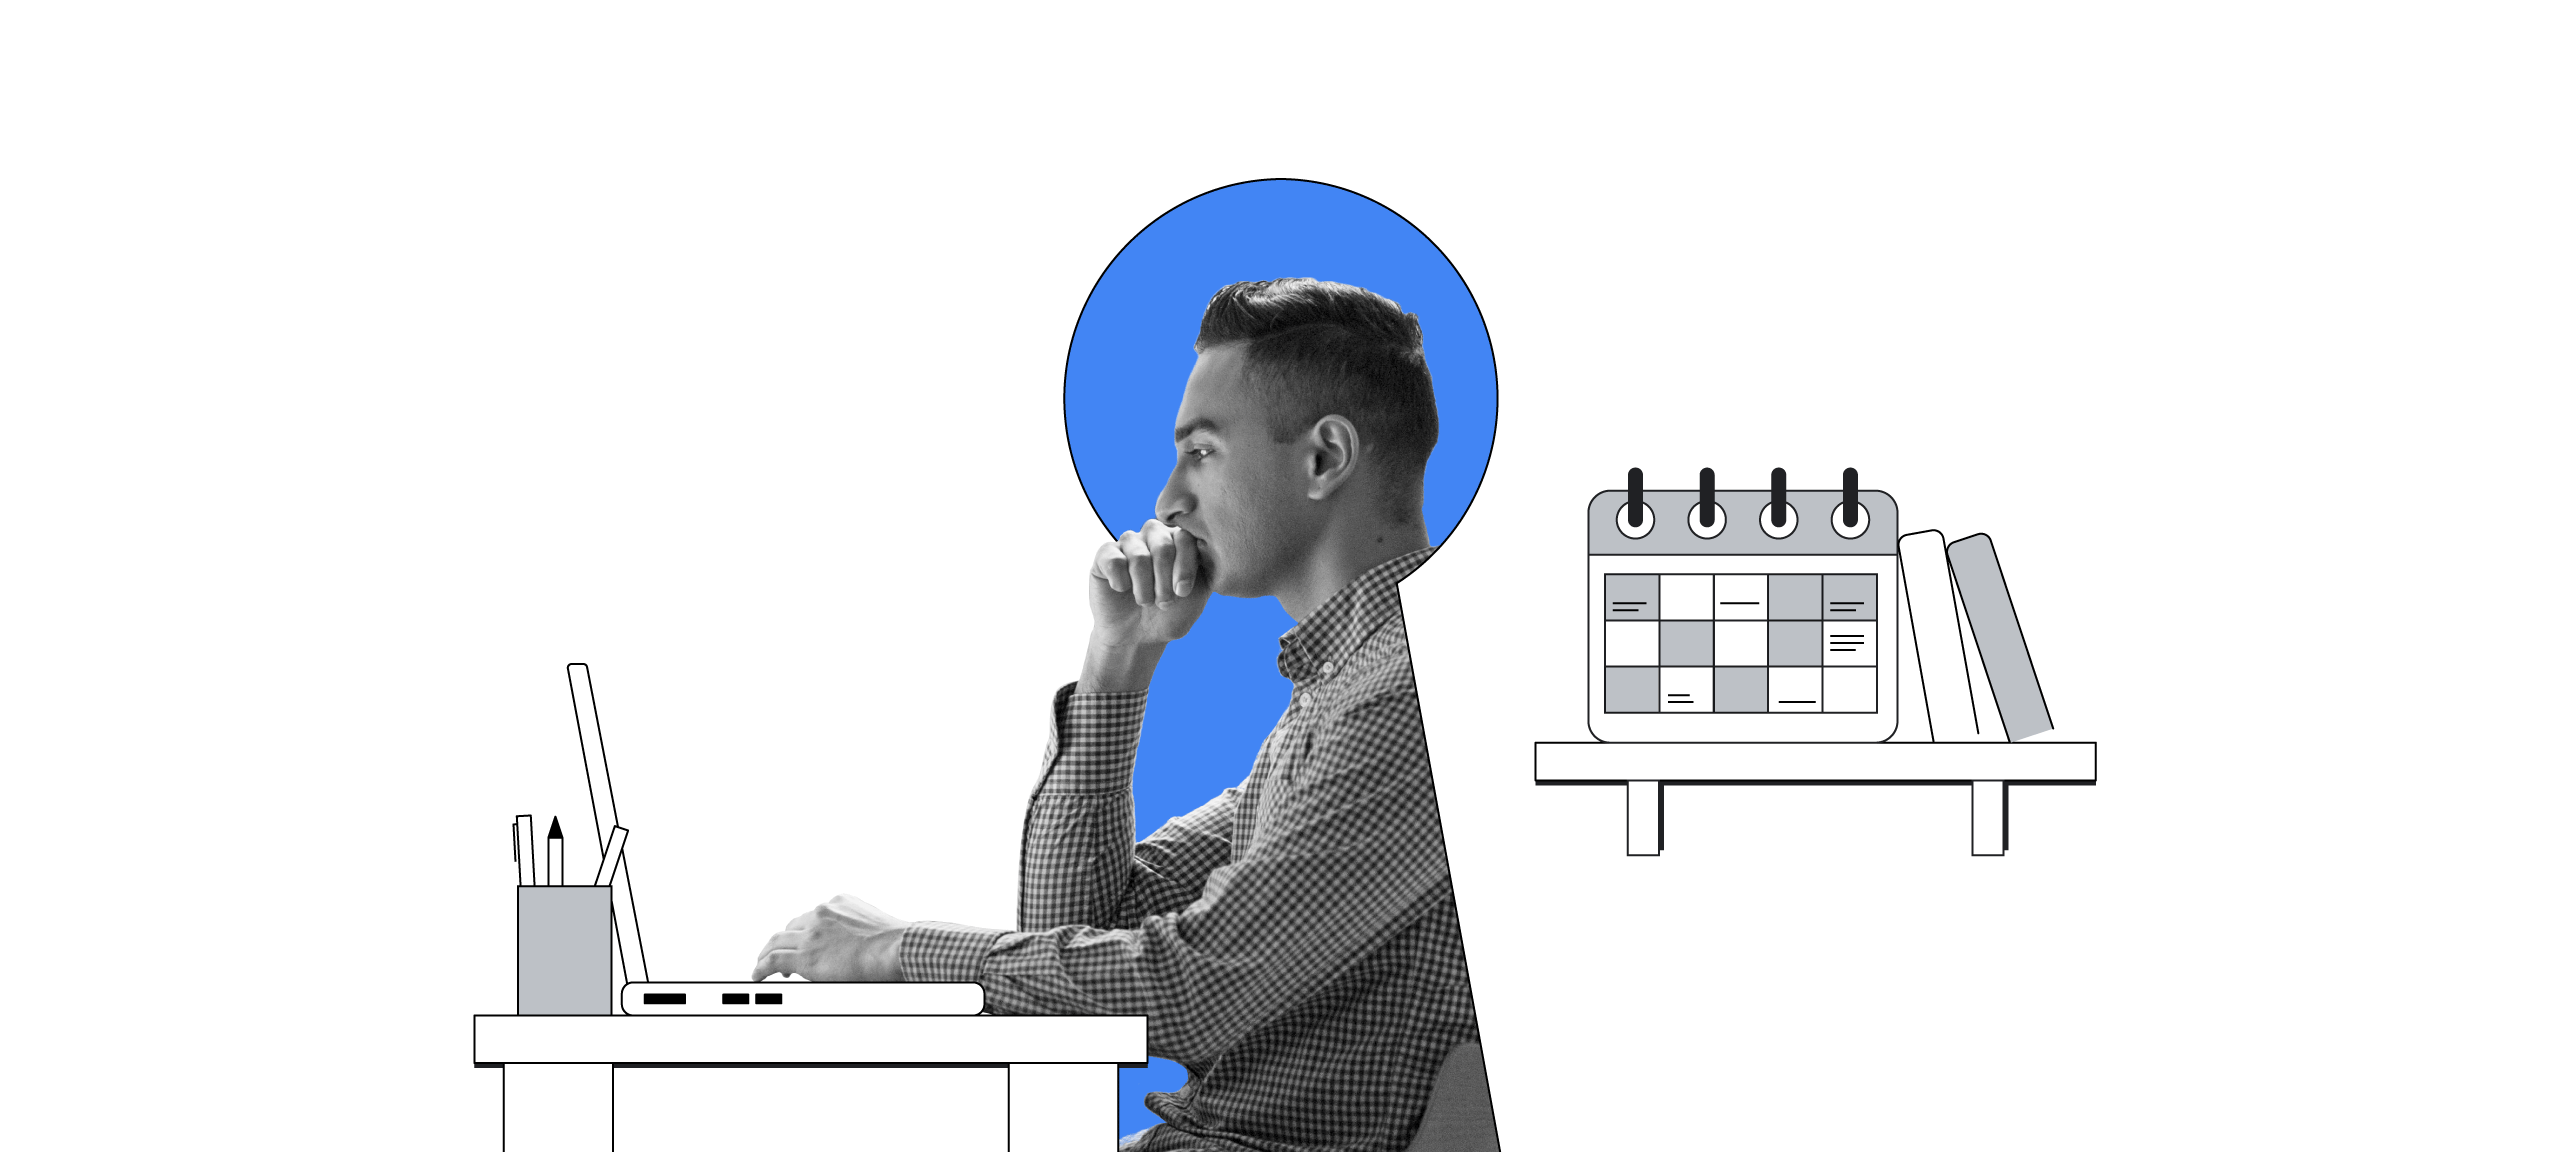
1195,453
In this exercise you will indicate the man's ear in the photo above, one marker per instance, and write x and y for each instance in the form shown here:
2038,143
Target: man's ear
1333,454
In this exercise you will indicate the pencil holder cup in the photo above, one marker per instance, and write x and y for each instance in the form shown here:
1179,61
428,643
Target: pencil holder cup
564,950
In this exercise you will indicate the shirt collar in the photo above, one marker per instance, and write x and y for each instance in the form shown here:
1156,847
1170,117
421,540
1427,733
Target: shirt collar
1346,619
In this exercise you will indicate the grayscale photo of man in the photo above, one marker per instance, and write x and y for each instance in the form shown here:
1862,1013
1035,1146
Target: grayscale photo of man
1293,943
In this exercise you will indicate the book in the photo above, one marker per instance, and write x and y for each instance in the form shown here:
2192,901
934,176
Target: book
1986,715
1937,636
1984,592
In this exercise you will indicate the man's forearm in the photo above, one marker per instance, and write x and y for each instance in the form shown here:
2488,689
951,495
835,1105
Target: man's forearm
1118,667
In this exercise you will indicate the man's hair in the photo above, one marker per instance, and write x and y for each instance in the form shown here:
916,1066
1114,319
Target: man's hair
1314,348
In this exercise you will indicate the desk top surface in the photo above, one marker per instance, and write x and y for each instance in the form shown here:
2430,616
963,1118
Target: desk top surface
808,1040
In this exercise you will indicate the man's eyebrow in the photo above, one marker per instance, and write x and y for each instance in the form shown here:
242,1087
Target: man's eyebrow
1184,432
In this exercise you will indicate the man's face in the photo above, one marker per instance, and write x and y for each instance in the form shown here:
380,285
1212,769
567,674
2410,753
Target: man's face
1241,496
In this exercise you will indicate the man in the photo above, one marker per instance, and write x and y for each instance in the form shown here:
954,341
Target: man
1293,943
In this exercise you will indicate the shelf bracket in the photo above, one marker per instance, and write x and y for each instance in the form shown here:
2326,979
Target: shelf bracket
1990,817
1644,817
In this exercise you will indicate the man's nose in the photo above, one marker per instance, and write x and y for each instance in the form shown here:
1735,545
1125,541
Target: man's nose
1174,501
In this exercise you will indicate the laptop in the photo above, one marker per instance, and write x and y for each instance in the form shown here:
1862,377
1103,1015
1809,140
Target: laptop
640,996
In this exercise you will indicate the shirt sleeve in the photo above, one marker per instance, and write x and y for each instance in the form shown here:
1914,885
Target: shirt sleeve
1343,859
1078,865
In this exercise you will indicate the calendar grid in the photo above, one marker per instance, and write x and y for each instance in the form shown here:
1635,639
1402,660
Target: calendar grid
1740,642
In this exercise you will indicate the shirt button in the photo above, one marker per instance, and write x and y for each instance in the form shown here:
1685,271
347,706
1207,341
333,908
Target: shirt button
1327,670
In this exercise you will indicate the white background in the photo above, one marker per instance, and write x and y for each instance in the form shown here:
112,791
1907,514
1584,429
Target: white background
360,367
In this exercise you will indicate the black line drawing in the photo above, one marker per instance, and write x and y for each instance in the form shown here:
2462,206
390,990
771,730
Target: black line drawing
559,1050
607,815
524,851
1774,656
1062,1071
802,998
1983,595
1770,635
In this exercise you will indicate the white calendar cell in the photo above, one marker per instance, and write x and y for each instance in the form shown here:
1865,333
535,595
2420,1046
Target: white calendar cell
1634,642
1688,597
1795,689
1742,642
1688,689
1742,597
1848,643
1848,689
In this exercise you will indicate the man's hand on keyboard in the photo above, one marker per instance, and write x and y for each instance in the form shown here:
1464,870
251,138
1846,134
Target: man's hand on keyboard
843,939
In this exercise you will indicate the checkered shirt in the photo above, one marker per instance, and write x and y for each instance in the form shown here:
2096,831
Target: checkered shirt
1293,943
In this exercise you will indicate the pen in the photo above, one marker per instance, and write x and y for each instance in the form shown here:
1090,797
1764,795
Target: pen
612,854
524,849
551,861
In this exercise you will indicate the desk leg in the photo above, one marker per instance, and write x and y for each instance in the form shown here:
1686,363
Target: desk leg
559,1108
1064,1107
1990,817
1644,818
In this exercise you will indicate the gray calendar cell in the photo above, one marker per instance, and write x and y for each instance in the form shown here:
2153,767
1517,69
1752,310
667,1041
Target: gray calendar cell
1851,597
1741,689
1688,643
1795,597
1635,598
1796,643
1633,690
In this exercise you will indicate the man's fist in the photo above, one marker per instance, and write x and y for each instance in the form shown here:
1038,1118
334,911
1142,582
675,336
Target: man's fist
1147,587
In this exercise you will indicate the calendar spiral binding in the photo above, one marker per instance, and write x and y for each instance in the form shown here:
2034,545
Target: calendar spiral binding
1623,520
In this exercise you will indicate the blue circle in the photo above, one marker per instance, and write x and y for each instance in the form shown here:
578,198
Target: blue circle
1132,347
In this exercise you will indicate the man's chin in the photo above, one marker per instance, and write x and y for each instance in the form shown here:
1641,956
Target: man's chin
1214,575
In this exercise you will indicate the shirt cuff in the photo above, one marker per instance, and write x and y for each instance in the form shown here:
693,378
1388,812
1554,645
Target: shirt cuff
933,952
1093,740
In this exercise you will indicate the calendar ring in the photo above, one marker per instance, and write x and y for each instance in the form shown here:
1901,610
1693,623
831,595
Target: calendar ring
1840,521
1708,530
1632,532
1771,529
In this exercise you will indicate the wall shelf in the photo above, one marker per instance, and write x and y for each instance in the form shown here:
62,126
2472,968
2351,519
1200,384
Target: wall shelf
1987,768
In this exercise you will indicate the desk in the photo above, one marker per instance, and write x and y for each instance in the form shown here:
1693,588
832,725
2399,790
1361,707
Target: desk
1988,768
1062,1071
